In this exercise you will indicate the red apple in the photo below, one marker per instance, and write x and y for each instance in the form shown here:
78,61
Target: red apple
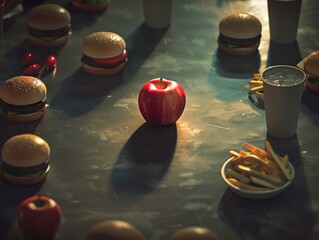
161,101
39,217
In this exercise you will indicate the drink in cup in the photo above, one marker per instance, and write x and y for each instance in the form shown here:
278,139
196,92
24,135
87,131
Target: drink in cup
157,13
283,20
283,88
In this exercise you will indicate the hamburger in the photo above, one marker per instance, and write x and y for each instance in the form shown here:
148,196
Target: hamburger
23,98
49,25
311,67
91,5
239,34
25,159
114,230
104,53
191,233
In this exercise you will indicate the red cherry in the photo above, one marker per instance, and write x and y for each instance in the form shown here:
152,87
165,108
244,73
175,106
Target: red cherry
32,70
50,62
28,58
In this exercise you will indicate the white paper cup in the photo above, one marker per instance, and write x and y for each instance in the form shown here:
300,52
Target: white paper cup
284,20
157,13
283,88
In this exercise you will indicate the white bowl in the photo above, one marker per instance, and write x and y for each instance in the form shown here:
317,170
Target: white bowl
255,195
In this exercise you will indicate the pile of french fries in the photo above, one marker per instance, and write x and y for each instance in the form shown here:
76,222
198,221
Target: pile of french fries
257,169
256,84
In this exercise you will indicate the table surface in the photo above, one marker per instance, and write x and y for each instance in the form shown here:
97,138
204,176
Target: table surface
106,163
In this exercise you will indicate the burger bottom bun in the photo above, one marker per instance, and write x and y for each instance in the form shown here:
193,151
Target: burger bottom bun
30,117
312,86
191,233
103,71
91,7
48,43
25,180
114,230
239,51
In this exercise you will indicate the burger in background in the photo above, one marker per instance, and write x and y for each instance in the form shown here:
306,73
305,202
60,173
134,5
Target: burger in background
91,5
114,230
239,34
25,159
311,67
49,25
104,53
23,99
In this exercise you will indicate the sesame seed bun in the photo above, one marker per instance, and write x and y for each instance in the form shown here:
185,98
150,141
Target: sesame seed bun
311,64
49,25
240,34
104,53
23,98
114,230
311,67
240,25
48,17
25,159
191,233
90,7
23,90
103,45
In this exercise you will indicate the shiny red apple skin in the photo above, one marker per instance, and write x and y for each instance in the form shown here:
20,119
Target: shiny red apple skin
39,217
161,101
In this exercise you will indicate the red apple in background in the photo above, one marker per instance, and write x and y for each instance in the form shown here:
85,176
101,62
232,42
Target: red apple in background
161,101
39,217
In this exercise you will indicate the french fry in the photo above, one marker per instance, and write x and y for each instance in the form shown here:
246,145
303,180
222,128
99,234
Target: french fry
256,76
231,173
254,159
277,160
234,154
245,186
262,182
256,150
285,160
251,172
255,83
258,169
253,90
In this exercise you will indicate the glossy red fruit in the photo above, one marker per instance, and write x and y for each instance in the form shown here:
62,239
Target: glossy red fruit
50,62
28,58
32,70
39,218
161,101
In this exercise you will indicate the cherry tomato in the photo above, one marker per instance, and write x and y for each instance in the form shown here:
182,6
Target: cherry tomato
50,62
32,70
28,58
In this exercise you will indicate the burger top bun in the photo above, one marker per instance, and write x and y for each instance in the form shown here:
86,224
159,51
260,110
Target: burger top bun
48,17
191,233
114,230
240,25
25,150
23,90
103,45
311,64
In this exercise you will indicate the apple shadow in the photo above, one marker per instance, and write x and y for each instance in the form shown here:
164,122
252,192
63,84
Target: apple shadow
11,197
279,216
81,92
144,159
